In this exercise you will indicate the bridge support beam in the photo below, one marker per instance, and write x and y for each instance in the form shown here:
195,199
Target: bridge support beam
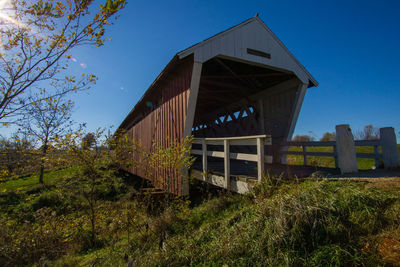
193,93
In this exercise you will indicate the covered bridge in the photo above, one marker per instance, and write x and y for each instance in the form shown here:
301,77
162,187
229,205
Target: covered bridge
236,92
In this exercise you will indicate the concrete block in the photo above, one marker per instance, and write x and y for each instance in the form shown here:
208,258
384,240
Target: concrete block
389,147
346,149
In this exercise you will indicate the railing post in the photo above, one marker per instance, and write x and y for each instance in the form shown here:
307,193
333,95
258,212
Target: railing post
346,149
335,156
260,158
305,155
227,167
376,152
389,147
204,148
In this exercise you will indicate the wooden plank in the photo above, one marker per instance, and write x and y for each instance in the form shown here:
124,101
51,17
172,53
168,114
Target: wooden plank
237,185
336,157
204,148
376,152
310,143
220,154
232,142
260,158
236,141
190,112
194,91
367,142
244,156
305,155
237,137
244,142
321,154
368,155
227,167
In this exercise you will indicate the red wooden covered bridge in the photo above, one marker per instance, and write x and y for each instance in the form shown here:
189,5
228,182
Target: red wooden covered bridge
238,92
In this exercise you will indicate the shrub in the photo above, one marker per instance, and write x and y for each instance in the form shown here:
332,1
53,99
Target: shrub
49,199
27,243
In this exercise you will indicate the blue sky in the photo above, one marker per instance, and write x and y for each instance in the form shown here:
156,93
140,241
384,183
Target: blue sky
350,47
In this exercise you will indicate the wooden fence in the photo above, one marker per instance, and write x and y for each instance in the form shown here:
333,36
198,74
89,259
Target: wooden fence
385,149
306,153
377,155
257,140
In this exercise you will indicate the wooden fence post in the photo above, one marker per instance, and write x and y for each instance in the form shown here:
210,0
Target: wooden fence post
204,148
260,158
305,155
336,156
227,167
377,159
346,149
389,147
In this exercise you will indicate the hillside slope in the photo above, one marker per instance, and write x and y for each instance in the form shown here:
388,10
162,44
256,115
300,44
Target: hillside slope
289,223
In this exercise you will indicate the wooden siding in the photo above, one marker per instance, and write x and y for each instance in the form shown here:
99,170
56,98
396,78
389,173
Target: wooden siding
255,35
164,123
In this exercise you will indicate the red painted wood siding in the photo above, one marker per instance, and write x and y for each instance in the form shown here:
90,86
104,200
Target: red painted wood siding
165,121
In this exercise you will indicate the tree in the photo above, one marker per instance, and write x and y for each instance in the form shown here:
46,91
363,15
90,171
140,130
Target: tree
37,39
88,141
303,138
368,133
45,121
96,165
328,136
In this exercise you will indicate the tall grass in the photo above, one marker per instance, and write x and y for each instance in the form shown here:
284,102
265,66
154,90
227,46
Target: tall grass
317,223
281,223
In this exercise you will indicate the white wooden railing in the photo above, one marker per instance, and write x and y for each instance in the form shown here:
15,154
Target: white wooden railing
256,140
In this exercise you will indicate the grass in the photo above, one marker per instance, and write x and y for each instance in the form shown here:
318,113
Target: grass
363,164
27,181
315,222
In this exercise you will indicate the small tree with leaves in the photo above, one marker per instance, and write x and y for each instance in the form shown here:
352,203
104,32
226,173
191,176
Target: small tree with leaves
45,121
96,165
328,136
303,138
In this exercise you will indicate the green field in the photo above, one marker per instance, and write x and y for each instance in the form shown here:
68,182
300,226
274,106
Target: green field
26,182
363,164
